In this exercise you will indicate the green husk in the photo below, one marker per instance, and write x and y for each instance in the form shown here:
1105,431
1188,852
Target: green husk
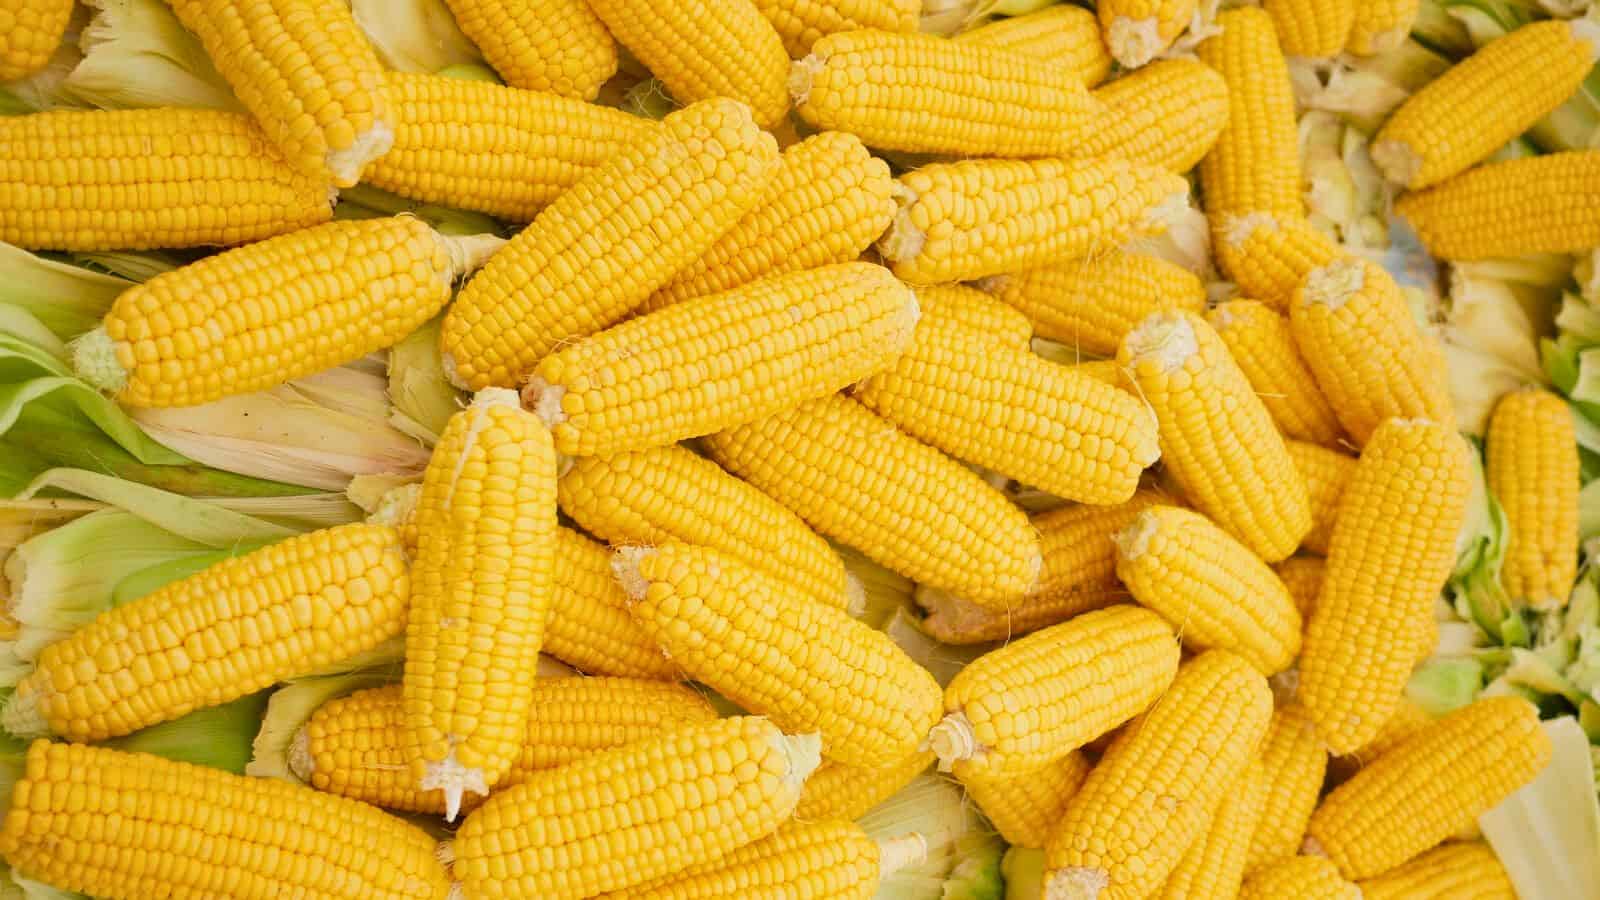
415,35
422,397
890,608
1023,868
961,851
649,99
367,202
291,707
67,299
470,72
1444,685
218,736
138,56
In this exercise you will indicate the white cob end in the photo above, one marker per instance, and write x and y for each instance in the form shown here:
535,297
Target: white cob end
901,851
1134,541
455,780
1076,884
345,165
469,252
625,568
1133,42
953,740
1237,229
1310,847
22,716
396,505
301,764
904,240
801,73
1397,161
544,399
94,358
1164,338
803,754
1335,283
1160,218
855,596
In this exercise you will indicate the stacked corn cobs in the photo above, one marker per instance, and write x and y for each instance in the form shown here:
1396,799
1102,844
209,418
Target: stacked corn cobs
867,309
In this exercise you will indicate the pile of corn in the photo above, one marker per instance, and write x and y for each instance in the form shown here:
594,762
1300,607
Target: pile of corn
868,304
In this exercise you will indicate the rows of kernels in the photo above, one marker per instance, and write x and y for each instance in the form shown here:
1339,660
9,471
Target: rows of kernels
554,46
1067,35
1023,808
802,23
1168,115
589,626
803,861
1295,763
1260,341
30,31
1255,166
1214,865
1541,204
1269,255
1533,470
1326,473
1454,870
1314,28
843,792
1299,878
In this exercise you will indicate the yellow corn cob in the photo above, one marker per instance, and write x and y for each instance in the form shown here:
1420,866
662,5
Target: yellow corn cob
1326,473
964,220
589,626
1105,371
1066,35
924,94
1357,334
1015,413
129,826
1472,110
146,179
1299,878
1295,763
625,817
1268,255
1168,115
1023,808
1533,472
802,23
354,746
723,360
1407,720
1467,871
1019,707
1090,304
230,630
829,201
1255,166
1217,438
1542,204
745,635
306,72
606,244
1210,587
1414,797
1302,575
1138,31
503,151
857,479
30,31
838,791
486,537
1312,28
977,312
260,315
1214,864
1380,26
706,48
554,46
1260,341
1392,549
670,493
1155,791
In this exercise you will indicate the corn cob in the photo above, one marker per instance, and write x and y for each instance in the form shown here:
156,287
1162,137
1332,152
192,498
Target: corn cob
129,826
1407,720
706,48
1326,473
625,817
1066,35
1156,790
228,631
1542,204
1019,707
857,479
976,312
924,94
669,493
30,31
1312,28
1217,438
1210,587
147,179
1105,371
840,792
1260,341
1370,358
802,23
1302,575
1168,115
1137,31
1268,256
507,152
260,315
1466,871
1412,798
1023,808
1214,864
486,538
1299,878
953,215
1380,26
829,201
742,633
1392,549
554,46
1255,165
589,626
1462,117
306,72
1295,764
1090,304
610,241
723,360
1533,471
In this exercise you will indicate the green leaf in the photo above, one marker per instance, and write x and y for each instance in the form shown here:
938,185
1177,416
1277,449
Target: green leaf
217,736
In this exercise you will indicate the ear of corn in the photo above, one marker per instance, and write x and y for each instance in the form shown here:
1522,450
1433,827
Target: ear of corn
233,629
1302,575
1326,473
306,72
1019,707
1392,549
1380,26
606,244
1541,204
553,46
1299,878
625,817
1063,34
976,312
1269,255
1454,870
1255,165
1023,808
127,825
1312,28
1168,115
859,480
1295,763
1215,863
1260,341
1159,785
1533,471
801,23
147,179
842,792
1105,371
723,360
1431,786
1137,31
1407,720
30,31
589,626
1472,110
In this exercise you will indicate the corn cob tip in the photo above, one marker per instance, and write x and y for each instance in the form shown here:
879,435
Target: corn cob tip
1133,42
855,595
1587,30
454,780
1397,161
953,740
801,73
1165,338
1160,218
1076,883
1335,283
901,851
396,506
803,754
544,399
23,715
94,358
904,240
469,252
301,764
346,165
625,568
1132,542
